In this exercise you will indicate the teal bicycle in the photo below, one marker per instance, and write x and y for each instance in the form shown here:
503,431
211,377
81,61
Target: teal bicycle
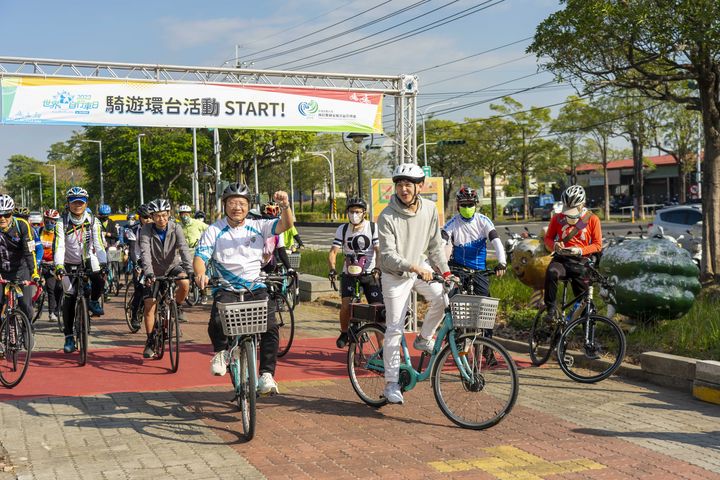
474,378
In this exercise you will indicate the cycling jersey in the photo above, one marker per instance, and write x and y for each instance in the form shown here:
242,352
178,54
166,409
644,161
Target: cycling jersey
358,242
236,252
79,241
193,230
588,238
288,237
469,237
47,238
17,251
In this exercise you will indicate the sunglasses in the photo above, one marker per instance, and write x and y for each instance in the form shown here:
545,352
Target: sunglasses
6,215
574,217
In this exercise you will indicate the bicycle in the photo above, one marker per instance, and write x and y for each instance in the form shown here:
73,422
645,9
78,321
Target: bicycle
112,283
166,323
284,312
290,285
589,347
38,298
243,321
129,298
79,282
469,392
16,337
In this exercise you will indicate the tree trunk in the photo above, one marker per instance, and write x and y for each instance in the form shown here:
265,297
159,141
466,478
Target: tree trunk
493,196
300,197
606,186
447,192
711,200
312,200
682,196
526,190
638,180
573,172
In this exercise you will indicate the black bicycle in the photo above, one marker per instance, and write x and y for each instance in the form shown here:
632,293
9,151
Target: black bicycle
590,347
130,293
284,311
16,337
80,284
166,320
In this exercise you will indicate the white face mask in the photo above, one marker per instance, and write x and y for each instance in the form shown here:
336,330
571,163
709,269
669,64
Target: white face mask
355,218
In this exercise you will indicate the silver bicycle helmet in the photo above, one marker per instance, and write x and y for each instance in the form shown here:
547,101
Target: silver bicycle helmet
7,204
408,171
159,205
573,196
184,209
236,190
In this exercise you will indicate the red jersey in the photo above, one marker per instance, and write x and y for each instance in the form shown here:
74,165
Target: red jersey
589,238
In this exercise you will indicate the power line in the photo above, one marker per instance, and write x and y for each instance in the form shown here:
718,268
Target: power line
430,26
475,55
475,71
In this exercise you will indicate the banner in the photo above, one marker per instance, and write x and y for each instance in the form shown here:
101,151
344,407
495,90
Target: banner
50,101
382,189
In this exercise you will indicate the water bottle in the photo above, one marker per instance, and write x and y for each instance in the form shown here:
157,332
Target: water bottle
571,314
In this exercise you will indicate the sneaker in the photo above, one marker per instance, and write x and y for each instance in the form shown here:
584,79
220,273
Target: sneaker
423,344
591,352
96,308
149,345
393,394
342,340
218,365
552,317
53,317
267,384
69,346
181,315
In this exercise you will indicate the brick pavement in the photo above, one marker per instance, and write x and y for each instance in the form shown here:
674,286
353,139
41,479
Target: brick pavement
319,429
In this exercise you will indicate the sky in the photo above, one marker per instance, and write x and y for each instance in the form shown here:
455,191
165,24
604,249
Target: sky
182,32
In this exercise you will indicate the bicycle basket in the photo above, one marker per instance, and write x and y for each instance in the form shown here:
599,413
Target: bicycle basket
363,313
243,318
294,260
473,312
114,255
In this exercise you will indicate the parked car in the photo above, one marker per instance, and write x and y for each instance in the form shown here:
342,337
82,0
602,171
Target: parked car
677,220
515,205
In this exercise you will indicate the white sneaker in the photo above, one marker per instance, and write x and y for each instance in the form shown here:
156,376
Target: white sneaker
393,394
53,317
424,344
267,384
218,365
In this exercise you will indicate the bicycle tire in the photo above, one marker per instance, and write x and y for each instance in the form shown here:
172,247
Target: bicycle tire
16,349
82,322
60,321
194,297
608,346
543,339
173,337
488,395
285,321
159,330
115,286
38,306
293,292
364,347
247,392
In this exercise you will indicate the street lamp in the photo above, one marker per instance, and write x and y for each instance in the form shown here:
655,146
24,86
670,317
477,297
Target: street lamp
358,138
54,184
102,178
40,180
207,173
422,114
331,163
140,174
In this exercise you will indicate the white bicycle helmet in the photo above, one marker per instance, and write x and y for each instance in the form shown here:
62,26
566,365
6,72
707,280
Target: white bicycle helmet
35,218
77,193
410,172
573,196
159,205
7,204
184,209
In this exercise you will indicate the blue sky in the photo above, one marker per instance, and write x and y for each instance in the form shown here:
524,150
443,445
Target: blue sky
205,33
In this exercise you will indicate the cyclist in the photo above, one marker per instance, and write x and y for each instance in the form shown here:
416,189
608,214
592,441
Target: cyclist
108,227
235,245
161,243
275,251
79,243
573,235
17,258
24,213
47,239
409,231
200,215
358,238
192,228
291,237
132,234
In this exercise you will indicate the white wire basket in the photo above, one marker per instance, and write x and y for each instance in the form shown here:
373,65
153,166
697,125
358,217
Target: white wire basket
114,255
294,260
243,318
473,312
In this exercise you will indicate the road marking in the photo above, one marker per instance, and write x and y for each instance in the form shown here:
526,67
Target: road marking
511,463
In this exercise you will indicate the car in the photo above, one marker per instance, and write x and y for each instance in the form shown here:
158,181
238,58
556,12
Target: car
515,206
677,220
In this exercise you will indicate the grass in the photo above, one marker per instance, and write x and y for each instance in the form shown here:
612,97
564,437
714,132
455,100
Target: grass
696,334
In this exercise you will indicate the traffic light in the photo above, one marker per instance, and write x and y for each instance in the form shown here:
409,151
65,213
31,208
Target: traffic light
451,142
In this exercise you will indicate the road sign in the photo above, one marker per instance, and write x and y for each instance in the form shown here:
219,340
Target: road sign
427,170
694,189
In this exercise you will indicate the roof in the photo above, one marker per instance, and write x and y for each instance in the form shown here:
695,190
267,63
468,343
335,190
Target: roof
658,160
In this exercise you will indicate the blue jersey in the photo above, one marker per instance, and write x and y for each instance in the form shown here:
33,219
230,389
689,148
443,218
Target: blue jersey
469,238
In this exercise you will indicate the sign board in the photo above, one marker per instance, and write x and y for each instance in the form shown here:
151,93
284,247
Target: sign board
427,170
61,101
694,189
382,190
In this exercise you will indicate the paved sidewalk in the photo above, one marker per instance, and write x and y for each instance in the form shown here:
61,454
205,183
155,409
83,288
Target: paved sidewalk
320,429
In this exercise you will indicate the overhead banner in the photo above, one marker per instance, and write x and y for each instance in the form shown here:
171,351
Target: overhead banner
50,101
382,189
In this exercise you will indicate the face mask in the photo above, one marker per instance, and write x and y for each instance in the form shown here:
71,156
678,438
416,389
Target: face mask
467,212
185,219
355,218
572,221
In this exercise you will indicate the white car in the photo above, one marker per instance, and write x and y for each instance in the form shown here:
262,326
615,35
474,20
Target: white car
682,222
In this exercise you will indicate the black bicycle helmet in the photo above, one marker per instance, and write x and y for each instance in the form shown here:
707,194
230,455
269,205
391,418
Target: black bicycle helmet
144,210
466,194
356,202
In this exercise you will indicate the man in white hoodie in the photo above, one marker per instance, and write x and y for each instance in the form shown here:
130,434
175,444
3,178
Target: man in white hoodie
410,248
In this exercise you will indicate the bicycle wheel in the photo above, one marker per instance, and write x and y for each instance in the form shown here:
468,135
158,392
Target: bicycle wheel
543,338
486,389
591,348
285,320
82,325
292,290
159,329
115,285
129,293
246,389
15,347
194,296
173,337
365,364
60,322
38,306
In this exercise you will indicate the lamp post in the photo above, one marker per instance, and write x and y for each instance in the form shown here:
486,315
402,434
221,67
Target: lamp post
358,138
54,184
40,179
331,163
102,175
140,174
422,115
292,186
195,185
207,174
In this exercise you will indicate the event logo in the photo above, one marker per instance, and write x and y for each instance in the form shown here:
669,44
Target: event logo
308,108
66,101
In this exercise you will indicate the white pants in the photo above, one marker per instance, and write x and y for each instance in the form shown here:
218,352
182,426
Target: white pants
396,294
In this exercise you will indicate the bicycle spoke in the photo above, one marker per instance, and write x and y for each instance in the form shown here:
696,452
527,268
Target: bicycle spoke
591,349
365,364
15,348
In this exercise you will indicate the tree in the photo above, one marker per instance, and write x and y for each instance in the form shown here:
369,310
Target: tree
21,181
650,47
448,161
570,127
